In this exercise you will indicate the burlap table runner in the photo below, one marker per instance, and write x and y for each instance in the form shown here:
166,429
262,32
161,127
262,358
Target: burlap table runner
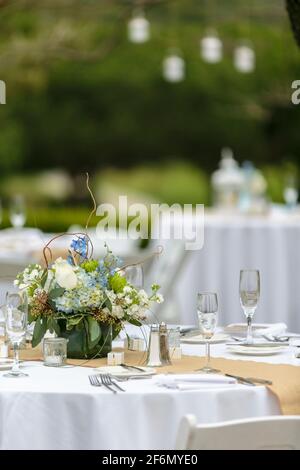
285,378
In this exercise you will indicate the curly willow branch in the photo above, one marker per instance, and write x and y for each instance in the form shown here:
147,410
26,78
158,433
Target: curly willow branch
47,248
93,199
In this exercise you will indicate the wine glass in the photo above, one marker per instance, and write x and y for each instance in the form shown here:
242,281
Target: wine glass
17,212
135,275
16,324
290,191
249,296
207,309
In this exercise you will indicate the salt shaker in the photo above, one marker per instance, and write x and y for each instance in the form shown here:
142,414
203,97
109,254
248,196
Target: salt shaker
164,345
153,358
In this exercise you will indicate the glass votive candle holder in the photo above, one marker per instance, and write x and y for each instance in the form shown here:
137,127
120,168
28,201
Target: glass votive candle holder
174,337
55,351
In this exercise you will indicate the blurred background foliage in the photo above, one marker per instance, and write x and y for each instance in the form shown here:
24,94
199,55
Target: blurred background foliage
81,97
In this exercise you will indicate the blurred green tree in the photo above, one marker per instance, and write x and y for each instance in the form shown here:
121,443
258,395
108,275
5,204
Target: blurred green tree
80,96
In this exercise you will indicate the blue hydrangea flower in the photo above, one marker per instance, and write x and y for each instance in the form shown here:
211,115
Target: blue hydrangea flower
80,246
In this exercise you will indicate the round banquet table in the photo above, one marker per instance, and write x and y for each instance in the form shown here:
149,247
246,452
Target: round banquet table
270,244
57,408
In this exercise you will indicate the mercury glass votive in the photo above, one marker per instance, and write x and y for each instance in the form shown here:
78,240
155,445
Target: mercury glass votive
174,337
55,351
174,342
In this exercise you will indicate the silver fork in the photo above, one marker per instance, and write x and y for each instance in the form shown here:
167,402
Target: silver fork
276,339
106,382
103,382
94,381
112,383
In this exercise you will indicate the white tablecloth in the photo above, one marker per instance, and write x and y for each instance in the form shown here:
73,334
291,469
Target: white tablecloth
269,244
56,408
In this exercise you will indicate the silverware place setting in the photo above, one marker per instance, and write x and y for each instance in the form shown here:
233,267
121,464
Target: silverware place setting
106,381
281,339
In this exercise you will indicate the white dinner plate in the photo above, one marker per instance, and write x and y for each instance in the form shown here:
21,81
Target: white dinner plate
6,364
255,351
119,371
199,339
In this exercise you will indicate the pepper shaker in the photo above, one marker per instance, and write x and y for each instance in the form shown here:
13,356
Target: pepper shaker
164,345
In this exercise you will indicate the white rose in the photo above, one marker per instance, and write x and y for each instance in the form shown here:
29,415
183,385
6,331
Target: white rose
64,274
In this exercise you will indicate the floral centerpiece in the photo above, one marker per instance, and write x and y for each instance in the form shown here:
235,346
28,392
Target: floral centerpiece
83,299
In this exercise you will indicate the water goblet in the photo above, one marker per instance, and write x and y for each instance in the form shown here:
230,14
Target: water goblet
207,309
17,212
249,296
16,324
135,275
290,192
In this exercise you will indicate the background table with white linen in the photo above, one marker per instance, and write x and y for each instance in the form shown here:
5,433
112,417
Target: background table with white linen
57,408
270,244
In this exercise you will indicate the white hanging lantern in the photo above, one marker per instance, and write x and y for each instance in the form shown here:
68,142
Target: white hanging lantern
211,48
173,68
244,59
138,29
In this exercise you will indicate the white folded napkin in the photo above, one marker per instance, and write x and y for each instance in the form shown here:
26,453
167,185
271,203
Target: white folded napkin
193,381
259,329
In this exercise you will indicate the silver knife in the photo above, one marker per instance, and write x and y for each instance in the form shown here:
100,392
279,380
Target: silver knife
259,345
260,381
241,379
132,367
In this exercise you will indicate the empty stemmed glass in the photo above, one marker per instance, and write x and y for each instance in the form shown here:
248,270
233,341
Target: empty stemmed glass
135,275
16,324
249,296
17,212
290,192
207,309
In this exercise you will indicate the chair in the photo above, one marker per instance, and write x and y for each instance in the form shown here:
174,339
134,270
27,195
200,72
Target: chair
166,271
175,231
267,433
